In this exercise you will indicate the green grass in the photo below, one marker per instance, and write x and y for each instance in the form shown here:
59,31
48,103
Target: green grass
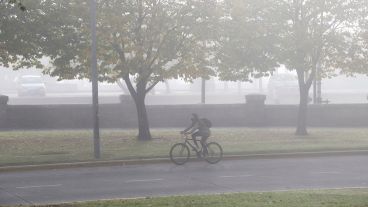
315,198
34,147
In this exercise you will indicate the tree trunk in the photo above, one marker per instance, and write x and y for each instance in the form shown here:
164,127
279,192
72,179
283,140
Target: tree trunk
144,133
302,111
121,84
139,96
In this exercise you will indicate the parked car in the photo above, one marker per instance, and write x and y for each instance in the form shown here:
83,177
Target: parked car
31,85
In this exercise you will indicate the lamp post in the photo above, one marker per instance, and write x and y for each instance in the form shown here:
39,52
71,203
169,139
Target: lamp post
203,91
317,86
94,75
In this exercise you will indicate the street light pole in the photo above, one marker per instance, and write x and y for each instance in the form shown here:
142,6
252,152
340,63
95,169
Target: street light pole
317,83
94,75
203,91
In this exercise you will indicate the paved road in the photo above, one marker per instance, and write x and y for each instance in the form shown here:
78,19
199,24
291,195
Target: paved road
80,184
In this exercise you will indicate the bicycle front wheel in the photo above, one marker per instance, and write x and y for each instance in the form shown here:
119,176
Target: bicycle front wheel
179,153
214,153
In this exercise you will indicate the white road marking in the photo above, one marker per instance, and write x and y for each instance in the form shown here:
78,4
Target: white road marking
146,180
326,173
38,186
235,176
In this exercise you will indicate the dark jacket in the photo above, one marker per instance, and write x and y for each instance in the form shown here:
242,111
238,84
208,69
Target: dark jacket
200,126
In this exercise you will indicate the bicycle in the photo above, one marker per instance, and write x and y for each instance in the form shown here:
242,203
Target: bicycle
180,152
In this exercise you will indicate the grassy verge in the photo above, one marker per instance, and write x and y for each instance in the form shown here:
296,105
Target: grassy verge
319,198
34,147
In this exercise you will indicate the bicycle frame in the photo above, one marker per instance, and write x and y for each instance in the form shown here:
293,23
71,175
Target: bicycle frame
180,152
189,143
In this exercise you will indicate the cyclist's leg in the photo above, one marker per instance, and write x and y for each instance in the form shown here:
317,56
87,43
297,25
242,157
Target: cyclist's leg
204,143
198,151
194,137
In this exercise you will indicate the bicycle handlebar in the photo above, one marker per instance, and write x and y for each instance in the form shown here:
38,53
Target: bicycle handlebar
188,137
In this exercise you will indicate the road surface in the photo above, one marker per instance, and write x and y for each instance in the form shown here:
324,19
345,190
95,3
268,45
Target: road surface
81,184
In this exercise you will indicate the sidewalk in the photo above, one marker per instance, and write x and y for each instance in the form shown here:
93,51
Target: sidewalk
167,160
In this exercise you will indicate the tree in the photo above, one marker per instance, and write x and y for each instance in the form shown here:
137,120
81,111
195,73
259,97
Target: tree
358,52
18,39
300,34
247,43
142,42
317,32
14,2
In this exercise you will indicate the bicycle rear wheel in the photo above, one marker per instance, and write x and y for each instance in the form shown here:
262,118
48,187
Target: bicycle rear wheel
179,153
214,153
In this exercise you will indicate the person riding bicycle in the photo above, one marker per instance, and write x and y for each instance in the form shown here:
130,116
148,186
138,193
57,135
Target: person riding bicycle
198,128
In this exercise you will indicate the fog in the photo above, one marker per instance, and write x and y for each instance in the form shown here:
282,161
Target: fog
286,137
336,90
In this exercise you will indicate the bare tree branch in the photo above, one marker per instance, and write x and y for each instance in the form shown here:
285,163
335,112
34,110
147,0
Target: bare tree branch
152,86
130,86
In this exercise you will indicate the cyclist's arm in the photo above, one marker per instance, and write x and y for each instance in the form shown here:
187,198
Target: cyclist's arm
194,128
189,128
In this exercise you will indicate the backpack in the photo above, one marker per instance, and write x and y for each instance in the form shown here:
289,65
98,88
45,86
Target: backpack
206,122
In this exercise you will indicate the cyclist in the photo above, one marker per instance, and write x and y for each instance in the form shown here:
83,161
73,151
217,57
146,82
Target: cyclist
198,128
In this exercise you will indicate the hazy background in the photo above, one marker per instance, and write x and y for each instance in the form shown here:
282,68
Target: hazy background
337,90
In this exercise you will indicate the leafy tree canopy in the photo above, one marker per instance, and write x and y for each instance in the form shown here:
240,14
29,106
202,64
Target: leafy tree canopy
146,40
247,39
14,2
320,32
19,40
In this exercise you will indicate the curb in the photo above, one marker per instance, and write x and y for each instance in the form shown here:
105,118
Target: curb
298,154
167,160
83,164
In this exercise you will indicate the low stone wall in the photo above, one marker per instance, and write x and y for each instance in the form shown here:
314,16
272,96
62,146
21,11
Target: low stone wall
3,109
124,115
